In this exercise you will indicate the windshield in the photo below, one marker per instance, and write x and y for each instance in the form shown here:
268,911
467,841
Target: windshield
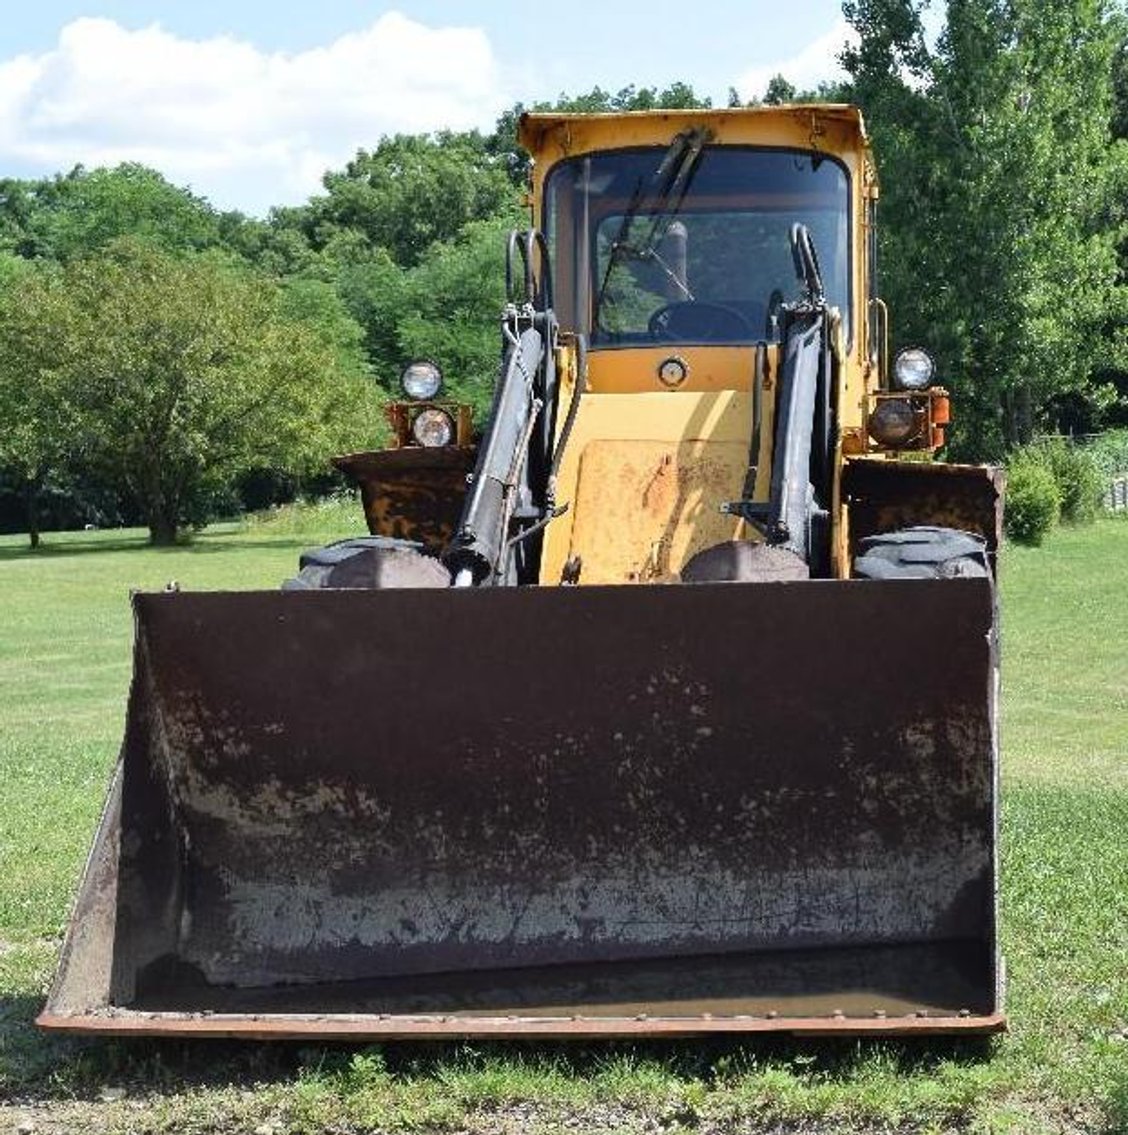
705,257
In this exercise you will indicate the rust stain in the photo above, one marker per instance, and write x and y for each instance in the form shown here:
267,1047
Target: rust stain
644,508
392,1027
412,493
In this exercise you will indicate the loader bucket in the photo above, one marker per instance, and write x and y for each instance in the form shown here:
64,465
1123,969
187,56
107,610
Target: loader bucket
548,812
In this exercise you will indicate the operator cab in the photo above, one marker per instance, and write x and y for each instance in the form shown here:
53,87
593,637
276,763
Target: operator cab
690,244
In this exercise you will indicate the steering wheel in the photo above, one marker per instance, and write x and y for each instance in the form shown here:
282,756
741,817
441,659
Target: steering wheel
699,319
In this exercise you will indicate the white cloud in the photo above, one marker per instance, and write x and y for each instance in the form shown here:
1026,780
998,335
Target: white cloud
246,128
814,64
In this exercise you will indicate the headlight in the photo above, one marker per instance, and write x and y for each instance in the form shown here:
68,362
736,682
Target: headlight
421,380
433,428
913,369
893,422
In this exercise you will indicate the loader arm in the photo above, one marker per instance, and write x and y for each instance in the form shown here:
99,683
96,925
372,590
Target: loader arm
508,501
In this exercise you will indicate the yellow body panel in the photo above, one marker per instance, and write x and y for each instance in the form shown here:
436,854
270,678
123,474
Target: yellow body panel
644,476
832,128
629,370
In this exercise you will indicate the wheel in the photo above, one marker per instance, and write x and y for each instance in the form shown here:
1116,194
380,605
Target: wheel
923,552
698,320
368,563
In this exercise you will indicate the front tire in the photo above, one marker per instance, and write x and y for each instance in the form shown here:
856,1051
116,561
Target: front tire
368,563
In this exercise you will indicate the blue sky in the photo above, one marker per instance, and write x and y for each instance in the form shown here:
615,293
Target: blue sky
249,102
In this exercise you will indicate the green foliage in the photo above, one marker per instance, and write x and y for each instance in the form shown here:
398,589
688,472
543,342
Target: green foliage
409,192
277,247
340,514
677,96
1033,502
1032,509
41,430
1109,452
1001,199
1077,476
446,308
172,374
453,305
374,289
81,212
318,306
779,91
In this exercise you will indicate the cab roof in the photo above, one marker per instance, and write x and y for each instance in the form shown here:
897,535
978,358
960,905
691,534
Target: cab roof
835,128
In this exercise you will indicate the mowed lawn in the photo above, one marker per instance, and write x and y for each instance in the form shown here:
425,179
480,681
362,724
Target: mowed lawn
65,634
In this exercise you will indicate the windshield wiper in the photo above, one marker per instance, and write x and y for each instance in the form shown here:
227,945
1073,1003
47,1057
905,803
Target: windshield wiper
626,250
668,187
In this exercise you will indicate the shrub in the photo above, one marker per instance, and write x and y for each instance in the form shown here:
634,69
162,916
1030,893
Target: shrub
1033,500
1079,480
1109,452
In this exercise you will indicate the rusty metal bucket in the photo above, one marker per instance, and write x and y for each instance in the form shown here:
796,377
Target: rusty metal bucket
554,812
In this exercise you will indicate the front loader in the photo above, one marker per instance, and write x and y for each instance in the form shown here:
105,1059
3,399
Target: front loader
664,706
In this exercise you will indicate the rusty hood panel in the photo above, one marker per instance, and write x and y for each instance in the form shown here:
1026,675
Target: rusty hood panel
412,493
387,813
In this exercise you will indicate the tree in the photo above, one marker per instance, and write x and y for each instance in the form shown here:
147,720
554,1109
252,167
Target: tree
1000,187
374,289
409,192
446,308
39,433
277,247
452,306
179,372
779,91
17,207
80,212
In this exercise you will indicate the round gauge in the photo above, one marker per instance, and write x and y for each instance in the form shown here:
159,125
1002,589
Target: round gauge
672,372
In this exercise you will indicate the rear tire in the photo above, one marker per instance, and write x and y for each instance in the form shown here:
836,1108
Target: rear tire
922,552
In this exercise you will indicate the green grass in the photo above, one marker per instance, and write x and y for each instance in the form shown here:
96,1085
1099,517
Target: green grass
64,669
1065,650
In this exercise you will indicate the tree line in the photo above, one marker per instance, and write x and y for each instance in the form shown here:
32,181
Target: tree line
162,361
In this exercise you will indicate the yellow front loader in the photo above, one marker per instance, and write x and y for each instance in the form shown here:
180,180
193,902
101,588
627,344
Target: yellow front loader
665,706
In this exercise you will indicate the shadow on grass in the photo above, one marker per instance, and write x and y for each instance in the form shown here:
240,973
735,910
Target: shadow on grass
200,545
706,1059
41,1068
51,550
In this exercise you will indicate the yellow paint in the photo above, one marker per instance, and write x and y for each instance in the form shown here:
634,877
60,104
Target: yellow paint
625,370
832,129
644,476
643,508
